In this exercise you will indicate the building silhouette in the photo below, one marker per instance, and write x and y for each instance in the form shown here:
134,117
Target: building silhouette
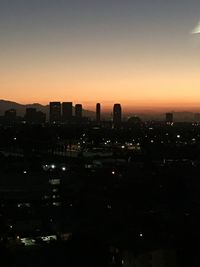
117,115
34,116
10,114
41,117
169,118
30,115
55,112
78,111
98,112
66,111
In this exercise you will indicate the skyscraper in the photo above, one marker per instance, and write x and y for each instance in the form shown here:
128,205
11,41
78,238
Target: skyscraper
117,115
55,112
98,112
78,111
66,111
169,118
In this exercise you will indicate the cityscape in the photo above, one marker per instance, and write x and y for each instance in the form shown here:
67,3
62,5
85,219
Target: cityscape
99,133
65,113
114,192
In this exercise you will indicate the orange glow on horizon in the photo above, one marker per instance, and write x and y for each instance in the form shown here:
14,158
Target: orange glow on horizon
157,83
108,53
128,106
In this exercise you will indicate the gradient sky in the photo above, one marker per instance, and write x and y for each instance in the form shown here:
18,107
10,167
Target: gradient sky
137,52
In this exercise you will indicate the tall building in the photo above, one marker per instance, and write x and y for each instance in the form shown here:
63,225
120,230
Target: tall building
117,115
55,112
66,111
78,111
98,112
169,118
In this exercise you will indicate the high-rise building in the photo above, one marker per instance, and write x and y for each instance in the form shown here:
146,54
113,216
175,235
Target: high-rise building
66,111
55,112
98,112
78,111
169,118
117,115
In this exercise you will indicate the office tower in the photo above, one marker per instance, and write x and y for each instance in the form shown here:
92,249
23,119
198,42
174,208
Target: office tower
10,115
55,112
117,115
66,111
78,111
169,118
98,112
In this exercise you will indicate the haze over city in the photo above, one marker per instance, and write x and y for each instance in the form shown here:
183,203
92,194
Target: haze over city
143,54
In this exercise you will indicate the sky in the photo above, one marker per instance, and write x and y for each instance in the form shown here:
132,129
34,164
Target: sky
141,53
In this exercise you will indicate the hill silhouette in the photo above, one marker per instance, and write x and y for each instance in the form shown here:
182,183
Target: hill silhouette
21,108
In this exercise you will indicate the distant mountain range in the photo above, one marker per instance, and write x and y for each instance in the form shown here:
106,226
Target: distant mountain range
181,116
21,109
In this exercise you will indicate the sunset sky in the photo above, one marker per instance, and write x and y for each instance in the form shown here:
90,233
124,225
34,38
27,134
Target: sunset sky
141,53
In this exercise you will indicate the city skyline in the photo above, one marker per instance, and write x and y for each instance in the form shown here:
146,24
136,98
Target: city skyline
142,54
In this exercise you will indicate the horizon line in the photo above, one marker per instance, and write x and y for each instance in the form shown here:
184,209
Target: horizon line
126,108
